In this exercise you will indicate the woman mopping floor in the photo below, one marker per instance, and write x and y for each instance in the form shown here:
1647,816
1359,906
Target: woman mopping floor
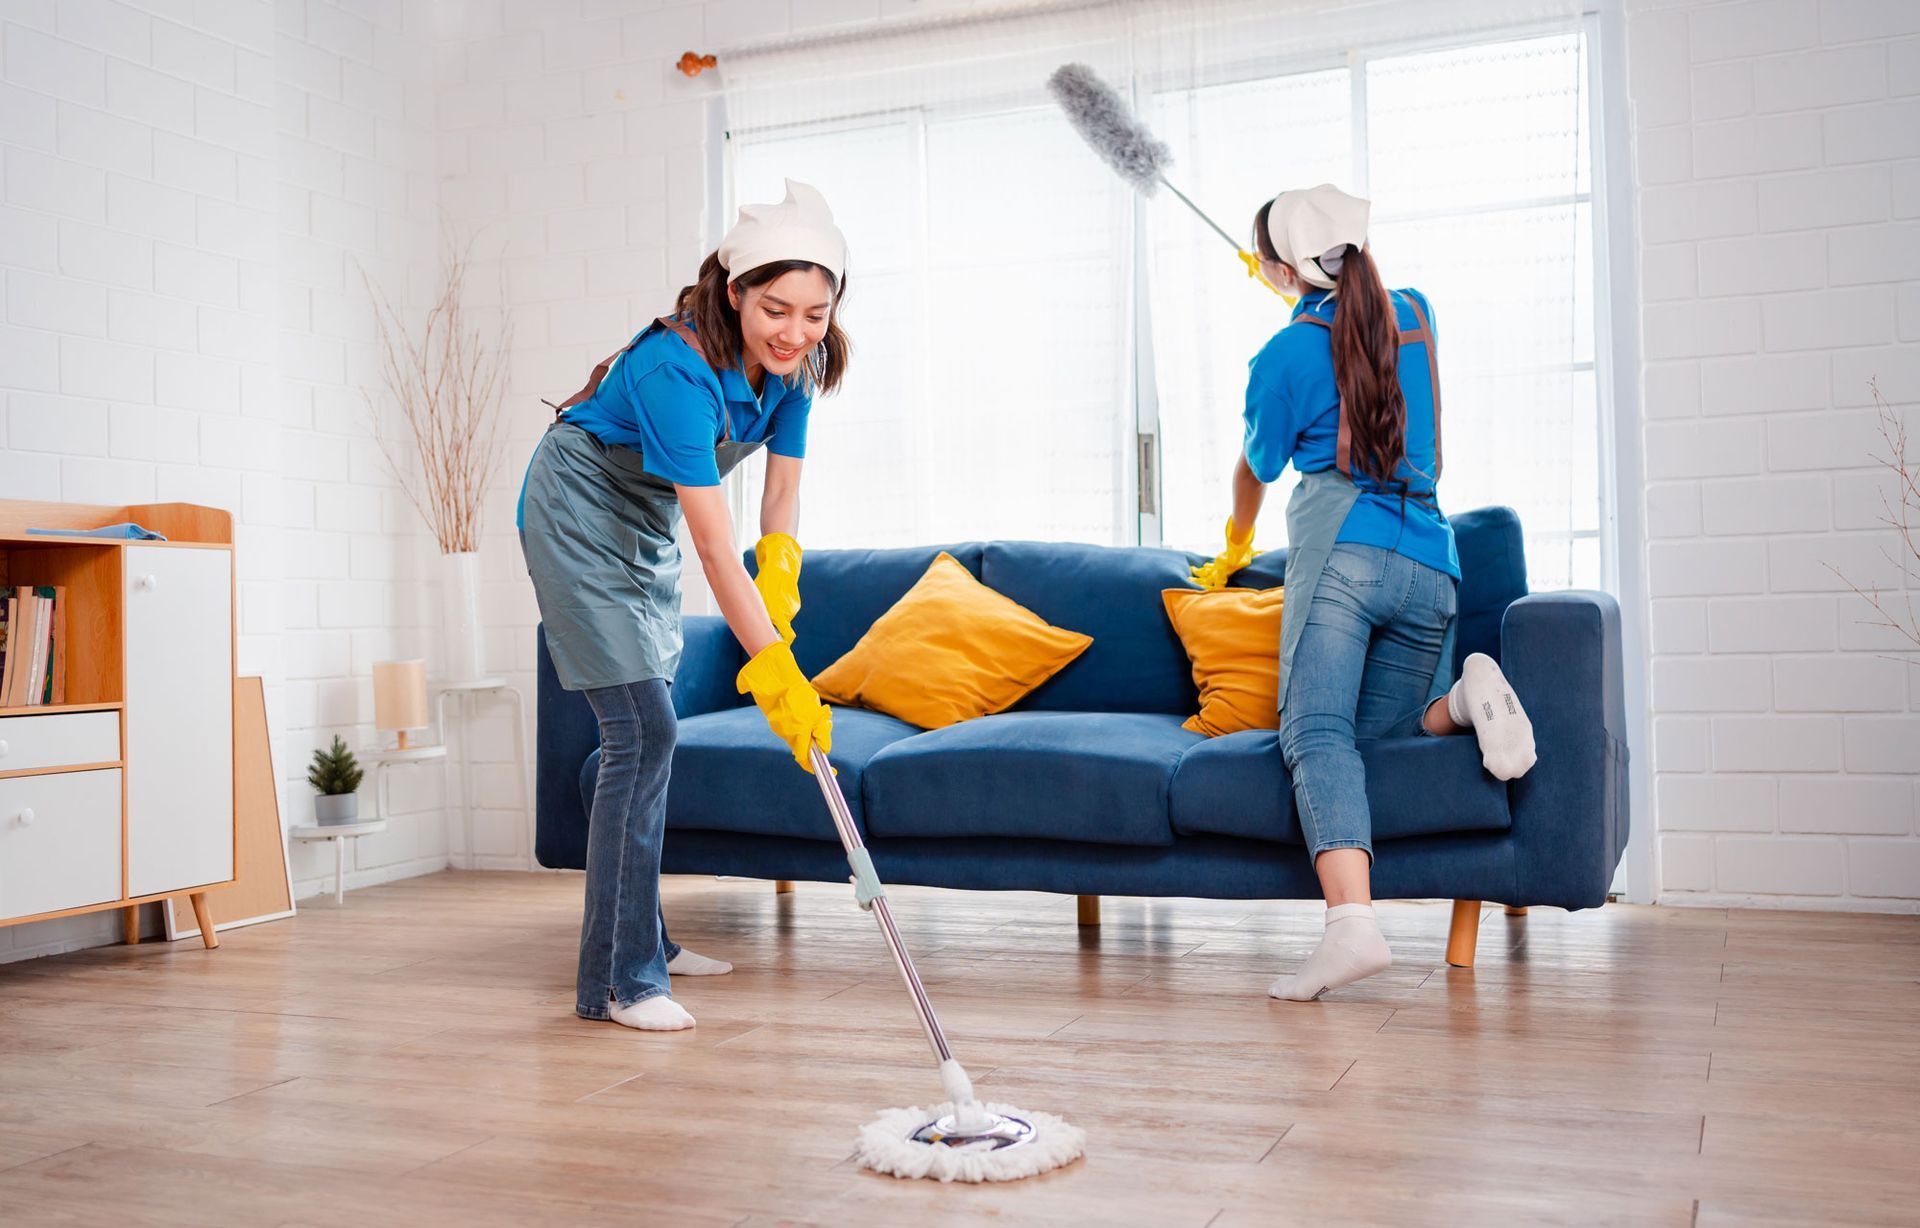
654,431
656,428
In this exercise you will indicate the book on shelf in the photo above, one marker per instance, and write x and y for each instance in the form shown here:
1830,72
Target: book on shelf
9,620
33,668
25,633
55,692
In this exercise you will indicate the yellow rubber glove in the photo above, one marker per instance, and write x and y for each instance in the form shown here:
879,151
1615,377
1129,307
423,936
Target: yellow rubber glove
778,579
788,701
1253,270
1238,554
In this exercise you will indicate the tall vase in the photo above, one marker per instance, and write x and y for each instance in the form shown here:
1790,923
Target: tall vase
460,615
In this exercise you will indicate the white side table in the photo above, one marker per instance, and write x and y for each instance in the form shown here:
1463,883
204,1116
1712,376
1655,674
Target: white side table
383,758
339,833
465,692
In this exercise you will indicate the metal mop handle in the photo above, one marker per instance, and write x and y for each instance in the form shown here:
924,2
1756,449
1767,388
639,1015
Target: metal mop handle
875,899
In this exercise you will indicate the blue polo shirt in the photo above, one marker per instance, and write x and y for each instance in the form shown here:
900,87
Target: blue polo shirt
663,400
1293,417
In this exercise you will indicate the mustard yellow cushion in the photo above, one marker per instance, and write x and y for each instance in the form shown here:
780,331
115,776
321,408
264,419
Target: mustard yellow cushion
1232,636
949,650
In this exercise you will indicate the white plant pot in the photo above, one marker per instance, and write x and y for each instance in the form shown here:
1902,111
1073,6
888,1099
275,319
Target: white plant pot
460,616
335,809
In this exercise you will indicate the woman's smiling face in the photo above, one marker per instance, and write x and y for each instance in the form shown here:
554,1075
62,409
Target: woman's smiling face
782,320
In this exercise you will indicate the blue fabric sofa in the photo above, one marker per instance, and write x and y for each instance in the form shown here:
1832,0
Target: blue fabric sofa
1090,786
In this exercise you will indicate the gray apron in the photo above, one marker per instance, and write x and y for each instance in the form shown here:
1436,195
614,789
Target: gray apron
1318,510
599,534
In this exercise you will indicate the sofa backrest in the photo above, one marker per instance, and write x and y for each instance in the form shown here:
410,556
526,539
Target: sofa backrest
1112,593
843,592
1493,575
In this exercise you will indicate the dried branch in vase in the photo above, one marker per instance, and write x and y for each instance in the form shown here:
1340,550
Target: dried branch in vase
1901,513
446,382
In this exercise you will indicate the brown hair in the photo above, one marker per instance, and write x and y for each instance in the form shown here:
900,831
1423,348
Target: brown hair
716,323
1366,360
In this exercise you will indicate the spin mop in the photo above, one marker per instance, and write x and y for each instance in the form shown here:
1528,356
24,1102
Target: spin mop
961,1140
1100,116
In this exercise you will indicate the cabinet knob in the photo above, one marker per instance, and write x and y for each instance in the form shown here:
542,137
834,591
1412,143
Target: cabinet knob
148,583
3,748
26,817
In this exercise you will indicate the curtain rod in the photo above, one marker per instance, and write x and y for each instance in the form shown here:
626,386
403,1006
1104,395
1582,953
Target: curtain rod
923,25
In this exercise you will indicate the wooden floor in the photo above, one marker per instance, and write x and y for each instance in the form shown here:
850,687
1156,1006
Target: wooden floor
413,1058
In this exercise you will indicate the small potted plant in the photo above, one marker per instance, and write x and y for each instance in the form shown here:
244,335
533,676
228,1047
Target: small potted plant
335,775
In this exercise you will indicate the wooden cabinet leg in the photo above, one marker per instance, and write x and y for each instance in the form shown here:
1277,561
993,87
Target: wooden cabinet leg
783,886
204,919
1519,911
1464,933
1089,909
130,924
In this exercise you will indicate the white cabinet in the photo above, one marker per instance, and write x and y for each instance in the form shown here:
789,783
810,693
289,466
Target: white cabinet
122,792
178,607
59,841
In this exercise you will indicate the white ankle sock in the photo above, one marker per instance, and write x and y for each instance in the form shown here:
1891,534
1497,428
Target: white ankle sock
1353,948
656,1014
1484,699
692,963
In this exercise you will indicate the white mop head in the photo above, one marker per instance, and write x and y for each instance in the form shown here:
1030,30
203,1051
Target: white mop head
1101,115
887,1146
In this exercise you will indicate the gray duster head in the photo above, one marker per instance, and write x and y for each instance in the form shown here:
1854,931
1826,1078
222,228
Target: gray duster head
1102,117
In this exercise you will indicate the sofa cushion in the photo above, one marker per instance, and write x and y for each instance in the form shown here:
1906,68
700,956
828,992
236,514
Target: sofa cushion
731,774
1238,786
1096,777
843,592
951,650
1111,593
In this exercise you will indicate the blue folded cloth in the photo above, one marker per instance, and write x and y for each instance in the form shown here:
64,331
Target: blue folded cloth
127,531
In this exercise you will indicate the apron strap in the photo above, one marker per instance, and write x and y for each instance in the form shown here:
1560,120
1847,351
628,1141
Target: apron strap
1423,335
601,368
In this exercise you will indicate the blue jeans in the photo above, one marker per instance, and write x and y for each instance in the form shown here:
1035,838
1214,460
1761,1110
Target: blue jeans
623,937
1361,671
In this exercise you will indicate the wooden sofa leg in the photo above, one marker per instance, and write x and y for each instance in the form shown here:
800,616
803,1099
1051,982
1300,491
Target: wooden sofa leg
1464,933
783,886
1089,910
1516,911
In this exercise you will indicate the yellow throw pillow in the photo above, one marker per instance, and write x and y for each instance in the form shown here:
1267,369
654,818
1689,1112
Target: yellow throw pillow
949,650
1232,636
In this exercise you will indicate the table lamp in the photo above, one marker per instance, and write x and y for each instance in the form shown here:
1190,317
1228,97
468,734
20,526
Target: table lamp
400,697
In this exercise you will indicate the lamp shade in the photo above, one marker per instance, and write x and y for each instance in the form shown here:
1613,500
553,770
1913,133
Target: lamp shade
400,695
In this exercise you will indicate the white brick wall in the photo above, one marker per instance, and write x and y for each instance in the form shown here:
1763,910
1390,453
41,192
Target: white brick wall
176,230
186,192
1777,147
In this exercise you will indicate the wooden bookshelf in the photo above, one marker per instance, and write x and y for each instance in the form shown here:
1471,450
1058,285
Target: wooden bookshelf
151,645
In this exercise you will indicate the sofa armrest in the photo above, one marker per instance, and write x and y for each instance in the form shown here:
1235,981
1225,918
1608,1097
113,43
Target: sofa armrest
709,660
1562,652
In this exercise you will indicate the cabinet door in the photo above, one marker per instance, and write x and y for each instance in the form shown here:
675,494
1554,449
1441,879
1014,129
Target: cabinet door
59,841
179,752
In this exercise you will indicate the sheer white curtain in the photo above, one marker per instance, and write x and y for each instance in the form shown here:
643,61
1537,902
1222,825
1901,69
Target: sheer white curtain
995,308
990,391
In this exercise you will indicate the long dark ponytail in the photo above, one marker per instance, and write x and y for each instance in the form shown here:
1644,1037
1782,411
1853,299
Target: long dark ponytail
1366,369
1366,360
716,324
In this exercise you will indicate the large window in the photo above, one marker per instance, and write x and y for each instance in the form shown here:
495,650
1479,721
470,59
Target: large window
1012,342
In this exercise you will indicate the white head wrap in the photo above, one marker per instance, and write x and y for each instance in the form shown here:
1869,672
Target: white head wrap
1311,229
798,228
